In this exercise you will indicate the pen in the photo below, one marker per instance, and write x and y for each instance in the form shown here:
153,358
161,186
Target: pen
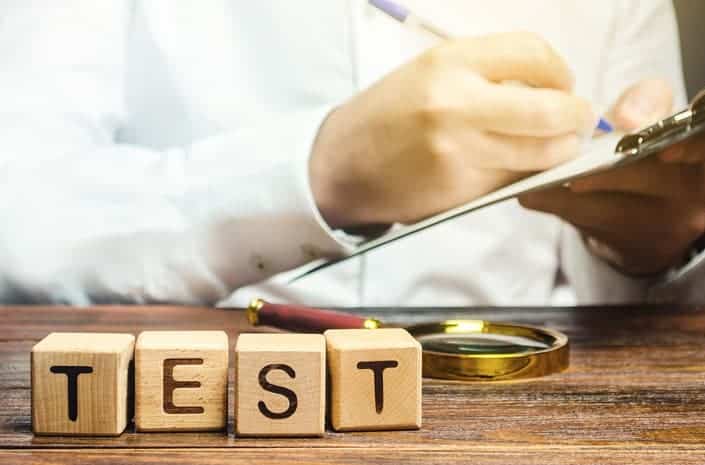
409,19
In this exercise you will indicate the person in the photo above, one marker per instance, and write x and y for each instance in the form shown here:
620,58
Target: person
168,151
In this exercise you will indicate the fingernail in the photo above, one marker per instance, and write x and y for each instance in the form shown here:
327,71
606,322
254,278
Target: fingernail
528,200
640,108
580,185
672,154
603,251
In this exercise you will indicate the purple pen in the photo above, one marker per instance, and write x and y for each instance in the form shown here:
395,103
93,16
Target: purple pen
408,18
396,11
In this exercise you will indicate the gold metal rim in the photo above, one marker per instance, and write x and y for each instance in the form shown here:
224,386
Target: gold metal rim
253,311
494,367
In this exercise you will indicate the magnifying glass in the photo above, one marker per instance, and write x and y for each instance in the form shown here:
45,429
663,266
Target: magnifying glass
475,350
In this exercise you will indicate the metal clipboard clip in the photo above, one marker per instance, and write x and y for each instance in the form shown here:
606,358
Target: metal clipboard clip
665,133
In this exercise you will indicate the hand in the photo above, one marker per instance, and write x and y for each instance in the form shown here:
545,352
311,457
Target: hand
443,130
642,218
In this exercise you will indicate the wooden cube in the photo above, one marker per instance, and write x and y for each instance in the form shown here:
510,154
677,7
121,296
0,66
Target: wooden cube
375,379
80,384
181,381
280,385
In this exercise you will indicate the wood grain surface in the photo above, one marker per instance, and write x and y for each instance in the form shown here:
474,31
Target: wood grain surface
635,393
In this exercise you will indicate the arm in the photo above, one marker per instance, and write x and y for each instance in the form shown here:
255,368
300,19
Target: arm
85,218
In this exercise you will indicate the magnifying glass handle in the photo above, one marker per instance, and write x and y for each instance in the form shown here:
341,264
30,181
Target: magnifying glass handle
304,319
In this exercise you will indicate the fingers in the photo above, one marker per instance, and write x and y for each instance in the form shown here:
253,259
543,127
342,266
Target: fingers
541,107
694,151
642,104
601,211
640,235
674,154
515,56
691,151
649,177
617,215
516,153
528,112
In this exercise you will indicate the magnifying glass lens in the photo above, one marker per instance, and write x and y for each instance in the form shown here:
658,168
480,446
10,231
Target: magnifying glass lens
480,343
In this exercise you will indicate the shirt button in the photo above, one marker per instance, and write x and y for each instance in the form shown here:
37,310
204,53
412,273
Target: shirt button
311,252
257,261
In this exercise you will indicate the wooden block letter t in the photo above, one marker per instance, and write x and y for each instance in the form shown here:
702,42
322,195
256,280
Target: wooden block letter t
181,381
375,379
80,383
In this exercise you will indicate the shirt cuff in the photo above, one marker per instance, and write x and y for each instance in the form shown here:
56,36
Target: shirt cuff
683,284
328,241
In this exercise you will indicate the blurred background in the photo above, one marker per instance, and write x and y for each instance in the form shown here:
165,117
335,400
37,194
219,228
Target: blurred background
691,20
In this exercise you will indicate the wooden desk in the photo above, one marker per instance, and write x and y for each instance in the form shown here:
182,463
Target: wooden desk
635,393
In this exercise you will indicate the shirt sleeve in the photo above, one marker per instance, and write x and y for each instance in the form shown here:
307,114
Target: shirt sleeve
683,284
87,219
645,44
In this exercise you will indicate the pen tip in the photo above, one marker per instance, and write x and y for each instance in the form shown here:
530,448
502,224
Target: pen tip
604,126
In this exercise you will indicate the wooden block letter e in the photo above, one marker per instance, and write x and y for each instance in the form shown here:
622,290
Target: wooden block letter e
181,381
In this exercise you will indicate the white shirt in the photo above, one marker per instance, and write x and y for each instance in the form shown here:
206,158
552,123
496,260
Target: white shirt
157,151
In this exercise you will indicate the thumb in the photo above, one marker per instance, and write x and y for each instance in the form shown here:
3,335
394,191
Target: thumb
642,104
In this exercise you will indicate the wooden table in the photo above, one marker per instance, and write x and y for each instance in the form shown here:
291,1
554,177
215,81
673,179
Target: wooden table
635,393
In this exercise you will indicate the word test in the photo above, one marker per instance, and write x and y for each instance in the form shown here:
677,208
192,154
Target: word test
82,382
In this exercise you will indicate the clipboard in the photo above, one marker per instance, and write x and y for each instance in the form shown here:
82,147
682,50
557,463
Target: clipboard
605,153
